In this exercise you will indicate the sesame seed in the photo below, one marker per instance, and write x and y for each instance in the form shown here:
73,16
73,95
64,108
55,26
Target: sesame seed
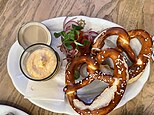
118,93
65,89
122,85
120,79
118,66
138,68
119,72
69,72
122,91
96,62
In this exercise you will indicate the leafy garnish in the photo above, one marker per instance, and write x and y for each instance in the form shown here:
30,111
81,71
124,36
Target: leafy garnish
68,45
75,41
86,42
71,37
77,27
57,35
78,44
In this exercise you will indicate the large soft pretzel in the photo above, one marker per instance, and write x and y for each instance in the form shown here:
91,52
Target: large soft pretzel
137,68
123,41
111,96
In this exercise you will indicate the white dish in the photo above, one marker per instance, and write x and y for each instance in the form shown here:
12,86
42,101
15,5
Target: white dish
55,24
5,109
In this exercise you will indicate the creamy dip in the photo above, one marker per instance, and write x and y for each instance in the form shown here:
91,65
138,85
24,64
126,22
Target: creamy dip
41,63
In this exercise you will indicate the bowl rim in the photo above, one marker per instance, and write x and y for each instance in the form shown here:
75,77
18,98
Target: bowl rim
48,77
41,25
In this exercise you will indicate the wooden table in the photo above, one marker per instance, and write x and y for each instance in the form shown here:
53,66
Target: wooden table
131,14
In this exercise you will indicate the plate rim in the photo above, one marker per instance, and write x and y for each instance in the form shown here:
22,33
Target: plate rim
14,108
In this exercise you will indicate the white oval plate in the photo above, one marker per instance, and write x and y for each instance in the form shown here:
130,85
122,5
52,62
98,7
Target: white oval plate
56,24
5,109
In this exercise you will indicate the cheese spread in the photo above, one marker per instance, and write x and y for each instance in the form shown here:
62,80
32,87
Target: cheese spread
41,63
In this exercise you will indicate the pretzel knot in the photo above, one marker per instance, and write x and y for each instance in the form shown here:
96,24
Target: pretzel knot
123,45
123,41
137,68
110,97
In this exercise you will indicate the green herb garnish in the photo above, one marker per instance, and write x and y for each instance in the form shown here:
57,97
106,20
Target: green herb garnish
71,37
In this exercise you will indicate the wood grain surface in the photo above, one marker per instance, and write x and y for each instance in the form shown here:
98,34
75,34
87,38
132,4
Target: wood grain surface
131,14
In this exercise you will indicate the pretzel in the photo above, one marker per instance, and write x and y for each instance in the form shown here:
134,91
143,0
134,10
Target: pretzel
137,68
123,44
123,41
110,97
